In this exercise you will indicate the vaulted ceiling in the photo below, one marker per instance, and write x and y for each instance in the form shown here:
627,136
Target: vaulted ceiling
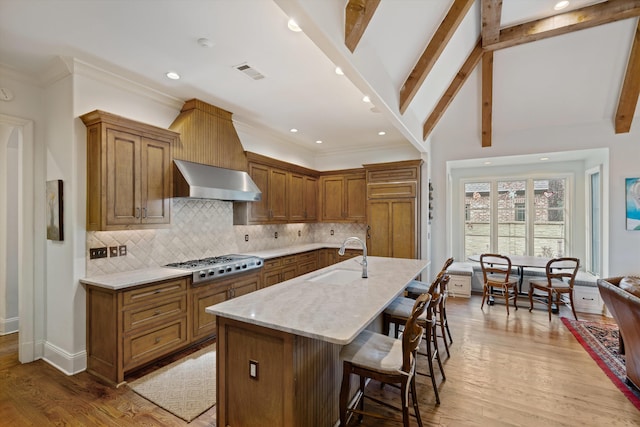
432,68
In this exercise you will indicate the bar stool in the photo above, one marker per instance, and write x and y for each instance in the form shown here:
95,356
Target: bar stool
416,288
385,359
400,309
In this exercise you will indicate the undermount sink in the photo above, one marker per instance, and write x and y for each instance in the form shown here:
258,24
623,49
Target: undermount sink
338,276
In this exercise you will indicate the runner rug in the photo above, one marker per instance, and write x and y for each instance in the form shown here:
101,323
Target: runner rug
186,388
600,340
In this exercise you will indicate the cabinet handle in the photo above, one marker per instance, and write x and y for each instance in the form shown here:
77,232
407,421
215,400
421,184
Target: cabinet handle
157,340
144,212
588,299
368,232
137,212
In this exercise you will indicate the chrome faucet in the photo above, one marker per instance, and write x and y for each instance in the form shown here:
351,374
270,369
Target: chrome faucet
364,253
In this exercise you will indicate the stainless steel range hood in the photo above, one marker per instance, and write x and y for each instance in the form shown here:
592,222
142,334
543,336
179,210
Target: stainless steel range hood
201,181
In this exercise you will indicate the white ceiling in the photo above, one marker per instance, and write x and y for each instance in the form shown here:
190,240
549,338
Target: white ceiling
566,80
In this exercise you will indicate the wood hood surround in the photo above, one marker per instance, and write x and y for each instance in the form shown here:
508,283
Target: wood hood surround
207,136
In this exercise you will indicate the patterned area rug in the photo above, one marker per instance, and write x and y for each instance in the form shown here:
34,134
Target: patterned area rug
186,388
600,340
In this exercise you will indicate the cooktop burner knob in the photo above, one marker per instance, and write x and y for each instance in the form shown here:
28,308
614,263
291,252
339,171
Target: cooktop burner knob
228,269
203,274
211,272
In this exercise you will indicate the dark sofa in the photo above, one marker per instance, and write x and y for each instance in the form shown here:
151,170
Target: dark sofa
621,295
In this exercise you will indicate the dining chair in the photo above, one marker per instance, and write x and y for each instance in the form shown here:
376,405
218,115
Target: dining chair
561,275
496,275
385,359
399,311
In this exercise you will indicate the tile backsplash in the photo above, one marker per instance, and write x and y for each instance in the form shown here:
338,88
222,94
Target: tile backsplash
203,228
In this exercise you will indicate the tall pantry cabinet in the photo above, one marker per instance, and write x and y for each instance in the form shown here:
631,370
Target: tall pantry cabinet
393,209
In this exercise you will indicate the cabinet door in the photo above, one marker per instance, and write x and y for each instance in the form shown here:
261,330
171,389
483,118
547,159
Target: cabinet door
155,182
332,188
378,236
204,324
297,197
392,228
245,286
310,198
278,194
355,197
260,209
123,178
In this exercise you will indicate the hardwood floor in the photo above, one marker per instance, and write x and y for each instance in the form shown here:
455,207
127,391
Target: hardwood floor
522,370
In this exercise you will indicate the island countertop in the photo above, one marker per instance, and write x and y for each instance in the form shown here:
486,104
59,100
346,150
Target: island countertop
312,307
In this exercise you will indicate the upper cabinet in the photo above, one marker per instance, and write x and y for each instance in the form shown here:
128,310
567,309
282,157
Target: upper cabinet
343,196
289,193
128,173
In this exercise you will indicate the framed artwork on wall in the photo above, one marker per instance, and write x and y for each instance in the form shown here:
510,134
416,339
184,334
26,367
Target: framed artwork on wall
55,226
632,188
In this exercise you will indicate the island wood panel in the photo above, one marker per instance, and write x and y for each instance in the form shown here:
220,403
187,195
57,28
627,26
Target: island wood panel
297,383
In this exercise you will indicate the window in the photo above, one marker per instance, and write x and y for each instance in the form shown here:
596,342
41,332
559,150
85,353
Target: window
516,217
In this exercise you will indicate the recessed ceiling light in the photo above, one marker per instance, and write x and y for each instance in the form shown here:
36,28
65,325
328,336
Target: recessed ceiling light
293,26
339,71
318,142
561,5
544,158
366,98
382,133
293,130
173,75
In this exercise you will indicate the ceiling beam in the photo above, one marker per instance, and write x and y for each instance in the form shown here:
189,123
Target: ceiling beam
491,13
358,14
452,90
487,97
432,52
579,19
630,88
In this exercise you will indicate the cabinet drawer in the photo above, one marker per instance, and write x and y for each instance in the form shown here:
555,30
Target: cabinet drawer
149,344
459,286
395,190
149,293
587,300
272,263
390,175
307,267
288,260
137,317
307,257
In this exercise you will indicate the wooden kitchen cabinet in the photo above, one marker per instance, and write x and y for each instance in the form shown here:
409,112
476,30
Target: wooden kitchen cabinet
343,197
278,270
273,184
303,198
129,173
393,209
204,324
132,327
129,328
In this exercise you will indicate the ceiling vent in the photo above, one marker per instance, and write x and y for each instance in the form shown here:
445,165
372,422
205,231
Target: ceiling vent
249,71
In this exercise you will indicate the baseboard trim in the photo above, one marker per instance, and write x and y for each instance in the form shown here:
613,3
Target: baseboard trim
68,363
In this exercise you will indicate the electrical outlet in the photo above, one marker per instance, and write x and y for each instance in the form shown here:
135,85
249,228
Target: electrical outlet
275,235
332,232
299,233
113,251
253,369
246,237
122,249
95,253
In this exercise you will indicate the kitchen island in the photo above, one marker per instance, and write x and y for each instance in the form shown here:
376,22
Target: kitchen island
278,348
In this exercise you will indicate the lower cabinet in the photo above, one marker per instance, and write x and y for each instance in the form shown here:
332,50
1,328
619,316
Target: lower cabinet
204,324
278,270
129,328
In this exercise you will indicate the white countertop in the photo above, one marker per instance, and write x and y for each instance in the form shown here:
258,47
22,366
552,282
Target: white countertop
127,279
328,312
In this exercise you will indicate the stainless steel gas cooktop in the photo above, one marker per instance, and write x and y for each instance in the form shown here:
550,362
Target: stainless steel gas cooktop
208,269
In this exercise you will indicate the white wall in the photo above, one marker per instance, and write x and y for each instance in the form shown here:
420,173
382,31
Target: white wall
624,152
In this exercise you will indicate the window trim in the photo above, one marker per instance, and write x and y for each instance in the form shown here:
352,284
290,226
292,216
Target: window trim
529,206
